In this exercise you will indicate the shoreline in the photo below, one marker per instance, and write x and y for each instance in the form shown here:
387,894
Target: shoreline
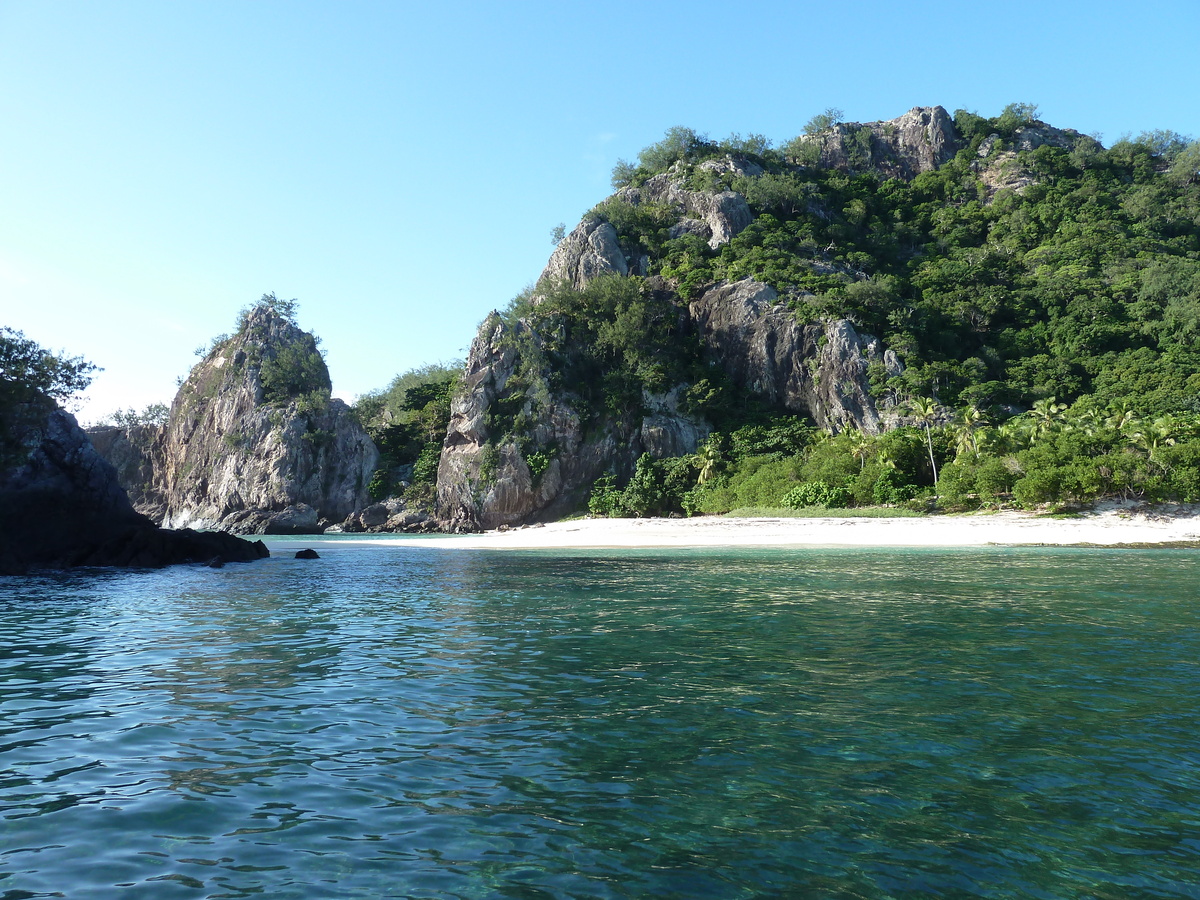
1113,525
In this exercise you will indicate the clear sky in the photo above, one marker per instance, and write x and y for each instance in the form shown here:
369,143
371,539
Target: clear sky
398,167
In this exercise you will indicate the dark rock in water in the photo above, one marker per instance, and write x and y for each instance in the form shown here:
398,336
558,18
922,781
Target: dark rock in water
299,518
61,506
307,553
153,548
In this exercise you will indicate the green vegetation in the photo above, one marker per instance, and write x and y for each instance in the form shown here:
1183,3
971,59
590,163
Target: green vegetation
822,512
1087,282
407,420
1049,335
153,414
32,381
295,372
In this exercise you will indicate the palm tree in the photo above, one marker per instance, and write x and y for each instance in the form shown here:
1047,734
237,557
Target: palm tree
1153,436
1046,416
1123,419
927,412
708,458
860,446
970,421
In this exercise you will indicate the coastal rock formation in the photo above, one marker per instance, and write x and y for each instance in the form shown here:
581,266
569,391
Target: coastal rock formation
64,506
134,451
485,478
255,444
521,446
918,141
817,370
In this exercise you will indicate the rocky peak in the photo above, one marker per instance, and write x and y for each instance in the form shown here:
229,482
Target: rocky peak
254,443
918,141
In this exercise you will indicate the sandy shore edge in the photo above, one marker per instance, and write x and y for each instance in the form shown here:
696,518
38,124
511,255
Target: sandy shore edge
1112,525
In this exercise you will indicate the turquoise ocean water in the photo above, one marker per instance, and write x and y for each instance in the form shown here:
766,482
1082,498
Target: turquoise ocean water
411,722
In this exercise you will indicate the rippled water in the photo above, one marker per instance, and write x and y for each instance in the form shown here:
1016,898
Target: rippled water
391,722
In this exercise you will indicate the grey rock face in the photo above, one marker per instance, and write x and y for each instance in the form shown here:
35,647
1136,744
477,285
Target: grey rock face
591,250
724,214
918,141
815,370
133,451
484,478
241,454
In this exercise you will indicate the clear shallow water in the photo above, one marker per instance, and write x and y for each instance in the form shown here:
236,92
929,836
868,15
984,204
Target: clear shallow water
392,722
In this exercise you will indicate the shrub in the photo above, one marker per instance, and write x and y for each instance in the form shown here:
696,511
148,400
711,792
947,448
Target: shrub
294,370
892,487
816,493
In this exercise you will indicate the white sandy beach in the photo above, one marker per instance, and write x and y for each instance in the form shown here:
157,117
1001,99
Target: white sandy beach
1114,524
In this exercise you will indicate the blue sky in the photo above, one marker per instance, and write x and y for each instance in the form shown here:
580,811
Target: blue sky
398,167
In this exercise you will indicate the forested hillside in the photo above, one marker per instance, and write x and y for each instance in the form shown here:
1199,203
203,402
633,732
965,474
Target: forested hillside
1028,304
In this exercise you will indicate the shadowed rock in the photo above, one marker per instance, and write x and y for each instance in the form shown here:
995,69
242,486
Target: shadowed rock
62,506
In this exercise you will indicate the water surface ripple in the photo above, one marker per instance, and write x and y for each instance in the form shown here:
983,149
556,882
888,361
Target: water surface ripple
734,724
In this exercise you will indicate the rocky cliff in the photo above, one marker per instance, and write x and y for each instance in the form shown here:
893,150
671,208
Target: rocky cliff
134,451
489,476
255,444
918,141
62,505
815,370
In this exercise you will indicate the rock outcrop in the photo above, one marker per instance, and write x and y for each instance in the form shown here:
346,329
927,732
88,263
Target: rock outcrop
1000,166
591,250
918,141
62,506
716,217
134,451
485,478
816,370
254,444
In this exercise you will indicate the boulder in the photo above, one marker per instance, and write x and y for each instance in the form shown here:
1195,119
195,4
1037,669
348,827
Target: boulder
589,251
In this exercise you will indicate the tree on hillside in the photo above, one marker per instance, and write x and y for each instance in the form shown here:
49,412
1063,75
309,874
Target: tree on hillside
29,372
823,121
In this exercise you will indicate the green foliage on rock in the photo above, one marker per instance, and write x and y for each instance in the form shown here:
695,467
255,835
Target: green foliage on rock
32,381
153,414
407,421
294,371
603,346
